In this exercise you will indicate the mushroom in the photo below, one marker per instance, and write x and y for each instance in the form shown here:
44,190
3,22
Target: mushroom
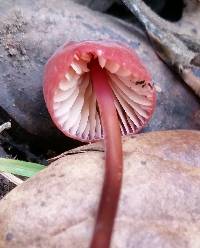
99,90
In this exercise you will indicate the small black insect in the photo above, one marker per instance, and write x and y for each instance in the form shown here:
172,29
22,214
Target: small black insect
140,82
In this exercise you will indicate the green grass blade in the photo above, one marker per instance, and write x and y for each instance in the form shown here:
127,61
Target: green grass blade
20,168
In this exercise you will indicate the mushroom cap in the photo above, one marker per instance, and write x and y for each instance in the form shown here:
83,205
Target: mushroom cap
71,100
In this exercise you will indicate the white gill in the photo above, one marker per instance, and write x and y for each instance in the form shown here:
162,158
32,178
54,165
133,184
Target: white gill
75,104
102,61
122,116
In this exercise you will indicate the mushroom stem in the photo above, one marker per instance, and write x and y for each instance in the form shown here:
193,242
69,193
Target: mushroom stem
114,158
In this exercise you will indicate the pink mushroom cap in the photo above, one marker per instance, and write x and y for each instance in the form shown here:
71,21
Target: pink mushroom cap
71,100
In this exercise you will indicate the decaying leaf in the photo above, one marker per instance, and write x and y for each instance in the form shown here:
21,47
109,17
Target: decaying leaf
159,205
31,31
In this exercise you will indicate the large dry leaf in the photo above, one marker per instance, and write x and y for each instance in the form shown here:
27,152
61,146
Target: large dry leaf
30,31
159,204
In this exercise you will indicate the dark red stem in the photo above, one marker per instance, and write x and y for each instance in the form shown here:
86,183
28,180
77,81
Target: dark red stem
114,159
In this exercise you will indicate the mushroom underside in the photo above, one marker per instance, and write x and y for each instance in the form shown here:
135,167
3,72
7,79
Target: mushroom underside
75,106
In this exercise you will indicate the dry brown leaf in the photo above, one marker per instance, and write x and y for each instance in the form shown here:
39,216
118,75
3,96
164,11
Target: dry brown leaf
159,205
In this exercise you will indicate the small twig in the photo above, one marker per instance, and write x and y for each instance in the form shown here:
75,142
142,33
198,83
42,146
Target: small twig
177,50
5,126
12,178
9,176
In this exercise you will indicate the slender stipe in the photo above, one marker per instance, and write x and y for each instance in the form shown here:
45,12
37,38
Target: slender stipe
113,158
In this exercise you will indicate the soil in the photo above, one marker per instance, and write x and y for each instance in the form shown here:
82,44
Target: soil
5,186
